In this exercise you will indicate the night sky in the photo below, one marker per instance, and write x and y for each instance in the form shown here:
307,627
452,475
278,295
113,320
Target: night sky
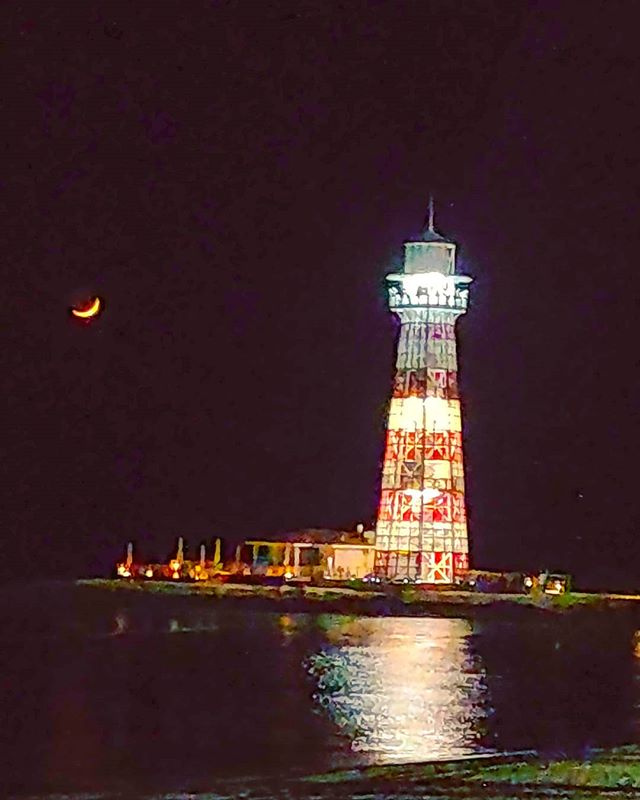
235,179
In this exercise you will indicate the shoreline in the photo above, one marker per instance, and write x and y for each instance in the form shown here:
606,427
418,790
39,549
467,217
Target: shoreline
603,772
339,599
611,772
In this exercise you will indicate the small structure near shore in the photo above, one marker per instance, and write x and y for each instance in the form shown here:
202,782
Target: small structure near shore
309,554
314,553
318,555
177,568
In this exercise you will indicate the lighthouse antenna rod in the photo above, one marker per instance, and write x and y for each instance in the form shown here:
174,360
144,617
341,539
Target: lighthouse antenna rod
431,214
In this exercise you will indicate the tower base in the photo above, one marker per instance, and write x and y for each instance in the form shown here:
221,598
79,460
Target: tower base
428,567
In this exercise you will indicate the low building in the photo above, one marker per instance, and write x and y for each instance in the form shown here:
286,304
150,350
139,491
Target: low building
350,560
313,554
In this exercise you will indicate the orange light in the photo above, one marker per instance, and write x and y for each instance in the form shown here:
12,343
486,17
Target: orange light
89,311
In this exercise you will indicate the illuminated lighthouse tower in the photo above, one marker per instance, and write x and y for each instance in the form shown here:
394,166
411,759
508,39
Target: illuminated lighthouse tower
422,527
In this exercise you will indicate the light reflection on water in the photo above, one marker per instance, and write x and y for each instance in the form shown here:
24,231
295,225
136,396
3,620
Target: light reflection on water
402,689
110,693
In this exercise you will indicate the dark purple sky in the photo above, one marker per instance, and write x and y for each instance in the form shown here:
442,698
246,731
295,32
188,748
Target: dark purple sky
236,179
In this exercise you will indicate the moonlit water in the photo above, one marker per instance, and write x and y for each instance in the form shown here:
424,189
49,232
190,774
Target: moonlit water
403,689
120,692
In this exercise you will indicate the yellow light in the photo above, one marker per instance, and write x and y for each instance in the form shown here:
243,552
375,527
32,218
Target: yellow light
431,414
149,573
90,311
288,575
175,576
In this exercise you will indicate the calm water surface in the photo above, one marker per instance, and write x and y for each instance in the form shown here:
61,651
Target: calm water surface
103,692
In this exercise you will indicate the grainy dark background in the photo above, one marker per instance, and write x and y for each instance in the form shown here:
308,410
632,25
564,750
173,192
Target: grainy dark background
235,179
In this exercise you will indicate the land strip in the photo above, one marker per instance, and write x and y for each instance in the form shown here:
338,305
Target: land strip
394,599
601,774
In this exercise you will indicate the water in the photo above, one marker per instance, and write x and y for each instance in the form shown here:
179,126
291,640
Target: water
105,691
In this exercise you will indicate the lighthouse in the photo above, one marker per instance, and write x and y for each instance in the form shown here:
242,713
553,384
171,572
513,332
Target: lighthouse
421,531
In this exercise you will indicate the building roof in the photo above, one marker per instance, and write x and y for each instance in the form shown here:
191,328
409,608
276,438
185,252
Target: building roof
314,536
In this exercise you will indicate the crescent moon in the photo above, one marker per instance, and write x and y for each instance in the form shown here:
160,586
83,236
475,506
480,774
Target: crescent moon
90,311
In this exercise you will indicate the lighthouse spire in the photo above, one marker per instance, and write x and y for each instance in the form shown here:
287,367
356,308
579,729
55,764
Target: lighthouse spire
429,232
